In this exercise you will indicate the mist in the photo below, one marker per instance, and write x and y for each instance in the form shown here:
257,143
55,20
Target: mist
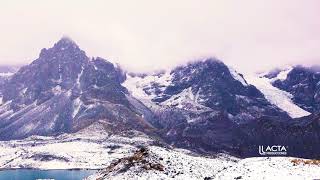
144,36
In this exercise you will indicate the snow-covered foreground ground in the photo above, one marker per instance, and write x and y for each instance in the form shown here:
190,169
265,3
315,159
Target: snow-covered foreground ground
270,168
180,165
87,150
82,150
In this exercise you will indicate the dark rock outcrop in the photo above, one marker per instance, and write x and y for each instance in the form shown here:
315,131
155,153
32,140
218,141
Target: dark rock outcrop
301,137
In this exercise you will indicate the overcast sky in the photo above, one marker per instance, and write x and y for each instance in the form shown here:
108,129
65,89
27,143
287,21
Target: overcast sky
146,35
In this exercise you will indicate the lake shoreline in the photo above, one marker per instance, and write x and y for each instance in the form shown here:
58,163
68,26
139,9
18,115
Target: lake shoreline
33,174
41,169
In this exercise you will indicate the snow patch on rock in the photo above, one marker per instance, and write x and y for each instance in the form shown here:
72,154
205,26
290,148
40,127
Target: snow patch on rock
283,74
77,103
186,100
280,98
6,74
136,85
237,76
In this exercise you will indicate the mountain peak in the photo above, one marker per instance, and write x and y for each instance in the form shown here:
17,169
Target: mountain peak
66,39
64,50
66,42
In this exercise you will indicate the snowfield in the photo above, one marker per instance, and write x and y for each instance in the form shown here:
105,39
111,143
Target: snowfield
142,88
82,150
280,98
270,168
136,85
90,149
182,165
186,99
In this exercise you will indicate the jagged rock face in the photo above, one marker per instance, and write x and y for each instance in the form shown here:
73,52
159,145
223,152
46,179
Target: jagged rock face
200,105
211,133
55,70
141,160
206,86
207,107
64,91
204,106
218,89
217,133
304,84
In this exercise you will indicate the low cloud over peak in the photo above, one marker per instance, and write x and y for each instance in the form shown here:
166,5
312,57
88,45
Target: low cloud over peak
147,36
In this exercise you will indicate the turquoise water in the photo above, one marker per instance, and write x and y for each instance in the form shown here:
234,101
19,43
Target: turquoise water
33,174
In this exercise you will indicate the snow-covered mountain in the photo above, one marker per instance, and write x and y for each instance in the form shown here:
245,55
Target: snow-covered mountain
64,91
202,86
65,99
207,106
204,106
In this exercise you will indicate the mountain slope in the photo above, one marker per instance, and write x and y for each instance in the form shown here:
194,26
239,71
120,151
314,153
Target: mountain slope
304,85
202,86
278,97
204,106
64,91
208,107
201,105
301,136
6,72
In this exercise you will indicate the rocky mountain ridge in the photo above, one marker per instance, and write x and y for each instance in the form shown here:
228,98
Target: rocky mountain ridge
64,91
204,106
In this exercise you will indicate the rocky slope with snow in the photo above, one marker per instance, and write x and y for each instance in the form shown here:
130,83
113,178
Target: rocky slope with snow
70,111
119,156
64,91
304,85
276,96
301,136
208,107
203,86
7,70
160,163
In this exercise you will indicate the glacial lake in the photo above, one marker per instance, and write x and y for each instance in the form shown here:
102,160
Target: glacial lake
34,174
